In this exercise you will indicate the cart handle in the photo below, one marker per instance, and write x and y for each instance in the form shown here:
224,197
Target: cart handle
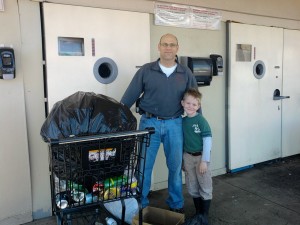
148,130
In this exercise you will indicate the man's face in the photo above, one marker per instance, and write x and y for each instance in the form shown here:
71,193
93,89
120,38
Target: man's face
168,47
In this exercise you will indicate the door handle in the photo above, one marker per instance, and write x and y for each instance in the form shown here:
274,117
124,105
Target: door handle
280,97
277,96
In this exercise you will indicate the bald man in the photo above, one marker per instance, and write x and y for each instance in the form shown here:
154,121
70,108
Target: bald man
160,86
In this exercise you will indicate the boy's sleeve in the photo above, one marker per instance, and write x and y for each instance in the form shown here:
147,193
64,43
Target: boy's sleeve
207,144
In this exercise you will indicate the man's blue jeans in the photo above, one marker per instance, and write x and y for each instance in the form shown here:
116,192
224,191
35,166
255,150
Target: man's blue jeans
169,132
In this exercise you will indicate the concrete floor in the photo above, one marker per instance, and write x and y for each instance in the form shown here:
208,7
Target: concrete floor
267,194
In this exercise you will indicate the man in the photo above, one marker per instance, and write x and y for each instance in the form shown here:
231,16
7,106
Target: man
161,85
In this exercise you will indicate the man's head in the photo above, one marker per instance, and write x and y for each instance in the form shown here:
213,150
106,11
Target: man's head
168,48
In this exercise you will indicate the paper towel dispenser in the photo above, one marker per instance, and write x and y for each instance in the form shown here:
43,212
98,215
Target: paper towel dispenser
201,67
217,61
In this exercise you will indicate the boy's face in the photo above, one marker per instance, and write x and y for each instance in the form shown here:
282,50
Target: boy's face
190,105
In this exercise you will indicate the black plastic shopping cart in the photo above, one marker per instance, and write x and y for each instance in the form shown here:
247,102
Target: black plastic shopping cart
90,171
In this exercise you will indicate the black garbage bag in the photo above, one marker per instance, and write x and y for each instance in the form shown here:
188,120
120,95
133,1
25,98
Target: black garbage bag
86,113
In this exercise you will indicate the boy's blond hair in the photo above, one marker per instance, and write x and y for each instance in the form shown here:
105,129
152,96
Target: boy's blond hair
194,93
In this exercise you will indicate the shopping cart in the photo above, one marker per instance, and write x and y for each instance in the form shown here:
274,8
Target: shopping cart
90,171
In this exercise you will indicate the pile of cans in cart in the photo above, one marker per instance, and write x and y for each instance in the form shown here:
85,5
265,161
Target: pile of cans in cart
70,194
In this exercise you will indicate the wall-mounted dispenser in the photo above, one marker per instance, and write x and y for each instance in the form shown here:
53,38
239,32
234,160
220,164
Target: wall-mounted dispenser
202,68
7,63
217,61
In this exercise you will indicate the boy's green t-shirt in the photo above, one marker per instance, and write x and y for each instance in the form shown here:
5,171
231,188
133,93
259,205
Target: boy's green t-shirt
194,129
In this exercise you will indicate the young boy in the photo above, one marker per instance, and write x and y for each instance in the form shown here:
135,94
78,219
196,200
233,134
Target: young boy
196,157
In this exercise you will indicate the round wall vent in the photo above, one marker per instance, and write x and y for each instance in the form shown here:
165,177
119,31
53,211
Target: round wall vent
259,69
105,70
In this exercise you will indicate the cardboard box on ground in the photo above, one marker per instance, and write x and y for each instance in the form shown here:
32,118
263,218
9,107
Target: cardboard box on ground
157,216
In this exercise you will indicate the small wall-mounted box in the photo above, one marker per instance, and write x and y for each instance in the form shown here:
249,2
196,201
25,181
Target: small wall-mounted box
7,63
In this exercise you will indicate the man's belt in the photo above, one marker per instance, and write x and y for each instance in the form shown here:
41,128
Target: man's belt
150,115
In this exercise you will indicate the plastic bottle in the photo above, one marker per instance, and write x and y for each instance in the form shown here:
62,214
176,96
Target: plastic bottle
110,221
115,181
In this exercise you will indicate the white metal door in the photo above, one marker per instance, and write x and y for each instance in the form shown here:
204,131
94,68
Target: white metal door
255,72
123,37
291,106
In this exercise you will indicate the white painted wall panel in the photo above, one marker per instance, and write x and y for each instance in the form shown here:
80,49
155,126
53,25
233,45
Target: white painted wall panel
291,106
15,187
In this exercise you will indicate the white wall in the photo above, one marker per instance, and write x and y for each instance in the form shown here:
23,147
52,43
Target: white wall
22,107
269,12
15,203
32,67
